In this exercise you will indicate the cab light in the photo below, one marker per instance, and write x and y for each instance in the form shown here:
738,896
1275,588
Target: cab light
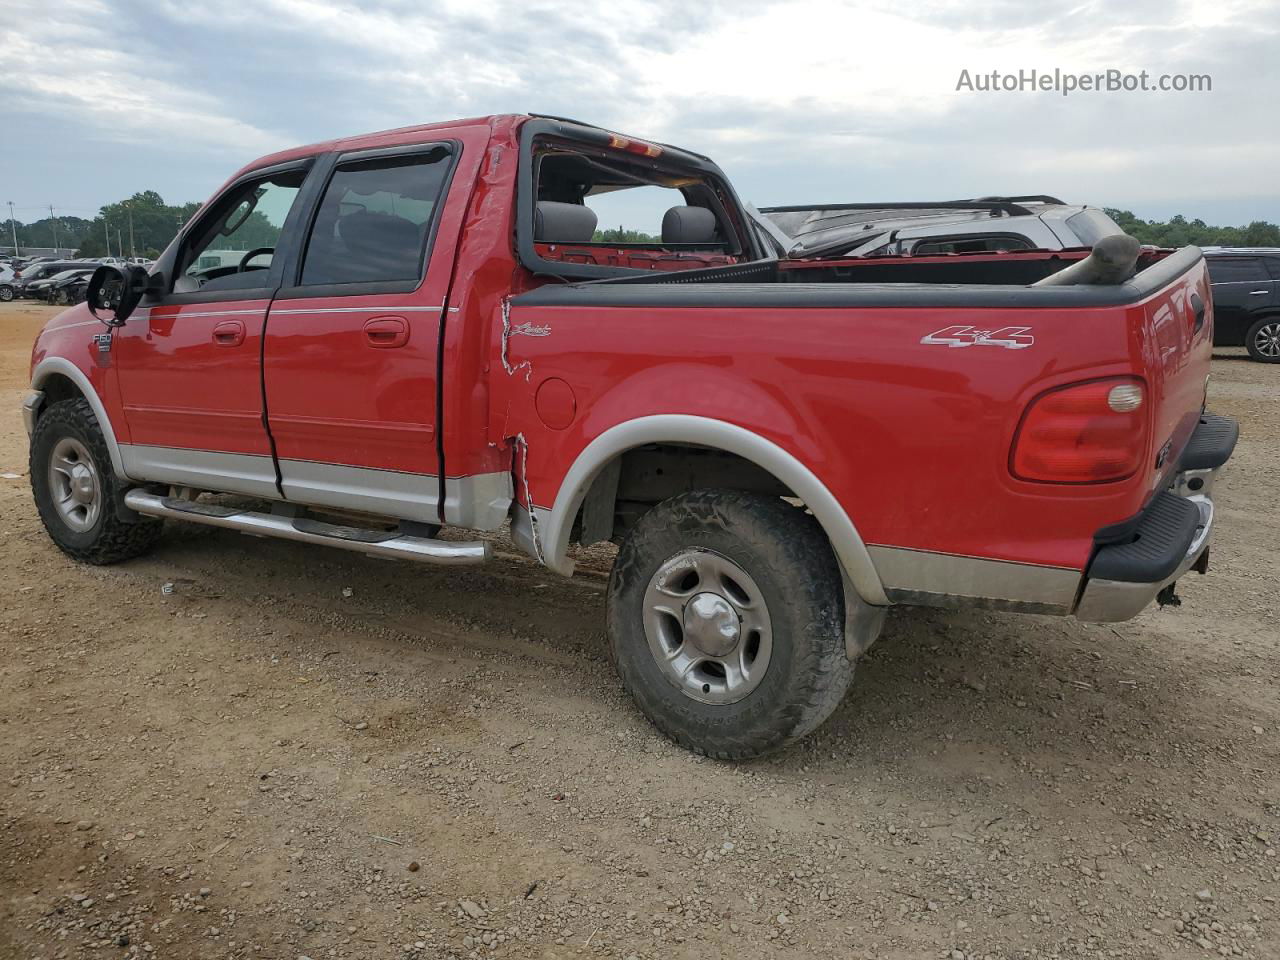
1091,432
634,146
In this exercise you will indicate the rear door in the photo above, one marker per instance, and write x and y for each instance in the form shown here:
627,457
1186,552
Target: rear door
351,353
1241,287
188,362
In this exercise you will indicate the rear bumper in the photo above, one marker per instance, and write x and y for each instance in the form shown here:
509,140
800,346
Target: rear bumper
1171,538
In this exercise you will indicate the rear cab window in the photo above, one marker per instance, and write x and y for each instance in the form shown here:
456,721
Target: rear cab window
606,205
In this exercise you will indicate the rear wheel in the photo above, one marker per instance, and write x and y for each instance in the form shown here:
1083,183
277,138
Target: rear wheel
726,622
76,490
7,293
1263,340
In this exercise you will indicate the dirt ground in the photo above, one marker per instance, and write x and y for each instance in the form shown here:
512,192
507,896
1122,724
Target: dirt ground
306,753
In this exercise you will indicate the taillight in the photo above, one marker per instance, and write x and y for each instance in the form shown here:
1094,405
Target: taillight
1089,432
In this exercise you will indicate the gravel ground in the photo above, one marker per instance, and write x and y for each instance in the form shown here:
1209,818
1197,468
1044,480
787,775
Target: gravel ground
304,753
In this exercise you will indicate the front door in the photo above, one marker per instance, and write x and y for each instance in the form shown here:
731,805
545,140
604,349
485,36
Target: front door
189,361
350,360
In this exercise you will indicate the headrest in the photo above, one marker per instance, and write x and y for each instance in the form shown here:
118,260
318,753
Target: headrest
689,225
378,235
1112,260
563,222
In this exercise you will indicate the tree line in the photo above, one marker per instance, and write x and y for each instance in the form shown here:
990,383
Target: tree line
154,224
1179,231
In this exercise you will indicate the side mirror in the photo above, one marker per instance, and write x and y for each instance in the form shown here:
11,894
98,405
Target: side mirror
116,290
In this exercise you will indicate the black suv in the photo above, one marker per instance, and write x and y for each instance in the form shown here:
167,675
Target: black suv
1246,299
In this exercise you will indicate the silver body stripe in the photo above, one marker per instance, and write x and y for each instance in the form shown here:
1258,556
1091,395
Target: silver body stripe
377,308
151,314
69,326
251,475
907,571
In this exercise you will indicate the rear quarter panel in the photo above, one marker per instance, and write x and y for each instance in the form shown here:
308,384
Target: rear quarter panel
913,439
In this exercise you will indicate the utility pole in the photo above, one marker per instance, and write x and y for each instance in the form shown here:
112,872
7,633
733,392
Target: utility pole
13,226
106,230
54,222
133,250
119,244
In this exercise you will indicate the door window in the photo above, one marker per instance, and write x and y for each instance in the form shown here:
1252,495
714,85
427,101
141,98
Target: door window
1237,270
374,222
234,246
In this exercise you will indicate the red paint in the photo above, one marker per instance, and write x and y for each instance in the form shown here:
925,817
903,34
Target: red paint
193,380
913,440
555,403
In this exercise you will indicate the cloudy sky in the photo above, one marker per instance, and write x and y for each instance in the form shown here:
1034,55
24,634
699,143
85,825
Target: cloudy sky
798,101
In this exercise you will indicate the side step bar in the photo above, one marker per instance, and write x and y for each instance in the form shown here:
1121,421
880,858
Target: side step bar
390,544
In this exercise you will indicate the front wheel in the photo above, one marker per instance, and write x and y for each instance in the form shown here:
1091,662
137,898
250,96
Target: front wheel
726,622
76,490
1263,340
6,293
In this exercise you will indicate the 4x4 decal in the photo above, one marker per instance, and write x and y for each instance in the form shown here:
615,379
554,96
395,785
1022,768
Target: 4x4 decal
1011,338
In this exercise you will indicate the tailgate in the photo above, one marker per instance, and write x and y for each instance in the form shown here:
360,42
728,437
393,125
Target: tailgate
1176,342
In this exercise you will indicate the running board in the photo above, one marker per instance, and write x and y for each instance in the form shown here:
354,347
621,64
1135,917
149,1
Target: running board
377,543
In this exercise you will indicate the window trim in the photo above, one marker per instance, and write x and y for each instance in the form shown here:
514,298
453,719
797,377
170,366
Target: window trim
294,289
166,266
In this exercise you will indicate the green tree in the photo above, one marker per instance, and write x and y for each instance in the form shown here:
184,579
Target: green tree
1178,232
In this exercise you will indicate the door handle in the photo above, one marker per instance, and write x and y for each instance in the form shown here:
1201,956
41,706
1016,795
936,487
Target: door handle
1258,293
228,333
386,332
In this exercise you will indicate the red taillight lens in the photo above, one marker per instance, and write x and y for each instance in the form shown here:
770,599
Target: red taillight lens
1084,433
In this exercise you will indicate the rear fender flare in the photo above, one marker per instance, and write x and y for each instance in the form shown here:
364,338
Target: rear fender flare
554,525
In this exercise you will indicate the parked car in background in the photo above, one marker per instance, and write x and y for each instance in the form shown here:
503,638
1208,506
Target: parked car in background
45,269
928,228
8,284
43,288
1246,299
59,287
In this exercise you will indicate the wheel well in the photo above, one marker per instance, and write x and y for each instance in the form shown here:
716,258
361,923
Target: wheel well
627,486
56,388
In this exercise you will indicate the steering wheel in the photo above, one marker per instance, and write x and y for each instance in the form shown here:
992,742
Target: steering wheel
244,261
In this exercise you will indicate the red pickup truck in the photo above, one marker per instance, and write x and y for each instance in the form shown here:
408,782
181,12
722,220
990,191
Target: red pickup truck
367,340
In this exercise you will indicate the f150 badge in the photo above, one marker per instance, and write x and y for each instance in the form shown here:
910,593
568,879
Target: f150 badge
1011,338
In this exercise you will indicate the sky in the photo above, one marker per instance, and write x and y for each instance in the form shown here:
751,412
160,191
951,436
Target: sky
799,102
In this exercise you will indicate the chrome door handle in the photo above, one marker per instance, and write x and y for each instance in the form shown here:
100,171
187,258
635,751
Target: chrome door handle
1258,293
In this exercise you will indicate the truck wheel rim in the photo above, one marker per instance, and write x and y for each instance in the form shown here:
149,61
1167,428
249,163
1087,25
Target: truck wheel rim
1267,340
708,627
74,484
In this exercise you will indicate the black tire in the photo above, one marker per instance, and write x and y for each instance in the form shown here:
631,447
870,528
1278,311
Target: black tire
784,551
1259,342
7,293
111,538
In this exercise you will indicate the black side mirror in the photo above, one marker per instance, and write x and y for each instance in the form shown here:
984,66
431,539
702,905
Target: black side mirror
116,291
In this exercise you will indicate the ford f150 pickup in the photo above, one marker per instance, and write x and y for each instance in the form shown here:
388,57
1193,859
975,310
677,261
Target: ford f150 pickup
425,328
